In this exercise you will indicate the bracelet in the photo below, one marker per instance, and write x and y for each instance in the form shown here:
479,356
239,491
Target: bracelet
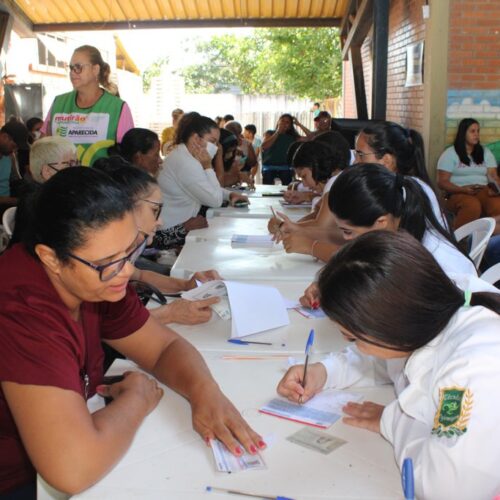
314,243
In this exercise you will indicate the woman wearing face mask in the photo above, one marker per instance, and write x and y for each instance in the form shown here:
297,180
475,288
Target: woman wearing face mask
143,190
436,339
187,179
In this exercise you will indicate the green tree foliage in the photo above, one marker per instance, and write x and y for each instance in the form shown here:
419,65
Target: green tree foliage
151,71
301,62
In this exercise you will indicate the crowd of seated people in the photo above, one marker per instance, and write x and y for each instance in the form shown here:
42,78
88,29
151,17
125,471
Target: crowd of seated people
81,234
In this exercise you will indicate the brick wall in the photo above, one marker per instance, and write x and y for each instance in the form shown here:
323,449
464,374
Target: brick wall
474,69
404,104
406,27
348,97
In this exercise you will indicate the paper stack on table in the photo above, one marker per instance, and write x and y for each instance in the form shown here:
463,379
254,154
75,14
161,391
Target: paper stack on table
251,308
252,240
225,461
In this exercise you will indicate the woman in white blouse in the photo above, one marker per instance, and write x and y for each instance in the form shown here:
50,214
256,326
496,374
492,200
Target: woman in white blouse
188,181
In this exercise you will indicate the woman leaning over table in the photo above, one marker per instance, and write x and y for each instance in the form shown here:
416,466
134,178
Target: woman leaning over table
92,115
146,196
387,295
463,171
188,181
68,282
141,147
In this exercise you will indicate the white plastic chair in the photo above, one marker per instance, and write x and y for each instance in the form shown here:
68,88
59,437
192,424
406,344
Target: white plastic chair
492,275
8,220
480,231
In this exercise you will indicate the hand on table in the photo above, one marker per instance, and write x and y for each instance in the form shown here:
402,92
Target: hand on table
198,222
202,276
144,388
311,296
290,385
234,197
215,417
296,197
185,312
366,415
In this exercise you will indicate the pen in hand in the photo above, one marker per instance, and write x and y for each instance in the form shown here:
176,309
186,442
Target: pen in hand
309,343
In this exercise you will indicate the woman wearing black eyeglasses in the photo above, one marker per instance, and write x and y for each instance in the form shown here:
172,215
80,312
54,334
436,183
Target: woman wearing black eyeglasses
92,116
63,290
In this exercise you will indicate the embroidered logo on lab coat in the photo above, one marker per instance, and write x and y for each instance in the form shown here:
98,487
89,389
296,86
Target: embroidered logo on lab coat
453,414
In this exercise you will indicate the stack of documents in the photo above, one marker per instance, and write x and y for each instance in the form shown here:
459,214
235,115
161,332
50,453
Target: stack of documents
252,240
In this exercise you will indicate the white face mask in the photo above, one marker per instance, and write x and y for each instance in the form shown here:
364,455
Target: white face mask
37,134
212,149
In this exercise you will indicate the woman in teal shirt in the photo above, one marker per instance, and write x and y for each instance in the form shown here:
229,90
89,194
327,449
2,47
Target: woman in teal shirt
274,152
463,172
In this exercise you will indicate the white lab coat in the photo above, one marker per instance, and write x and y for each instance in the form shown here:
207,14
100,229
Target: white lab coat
466,354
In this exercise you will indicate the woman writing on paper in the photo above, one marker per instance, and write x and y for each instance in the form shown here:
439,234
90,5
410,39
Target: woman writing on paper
68,281
388,296
369,197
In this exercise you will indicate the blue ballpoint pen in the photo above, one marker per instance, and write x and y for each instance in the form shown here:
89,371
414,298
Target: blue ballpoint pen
309,344
253,495
247,342
407,479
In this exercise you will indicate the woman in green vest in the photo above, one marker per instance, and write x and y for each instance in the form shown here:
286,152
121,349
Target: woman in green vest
92,116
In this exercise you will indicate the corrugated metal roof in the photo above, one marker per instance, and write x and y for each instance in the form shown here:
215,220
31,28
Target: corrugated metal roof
85,14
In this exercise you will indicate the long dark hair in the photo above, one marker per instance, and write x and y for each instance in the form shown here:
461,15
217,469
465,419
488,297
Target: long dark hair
68,204
292,130
366,191
135,182
193,123
459,144
316,156
228,140
136,140
388,290
406,145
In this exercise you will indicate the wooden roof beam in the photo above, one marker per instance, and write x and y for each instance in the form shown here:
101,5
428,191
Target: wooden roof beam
360,27
194,23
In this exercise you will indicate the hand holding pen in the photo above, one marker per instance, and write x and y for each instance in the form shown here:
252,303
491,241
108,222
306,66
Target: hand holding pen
309,343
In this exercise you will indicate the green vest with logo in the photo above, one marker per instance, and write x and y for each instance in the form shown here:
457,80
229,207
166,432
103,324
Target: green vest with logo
92,130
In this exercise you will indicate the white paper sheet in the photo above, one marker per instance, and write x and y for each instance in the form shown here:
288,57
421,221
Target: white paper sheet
252,308
255,308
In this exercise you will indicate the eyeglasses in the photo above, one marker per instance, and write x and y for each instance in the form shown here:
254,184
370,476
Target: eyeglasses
63,164
361,153
78,67
158,205
110,270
